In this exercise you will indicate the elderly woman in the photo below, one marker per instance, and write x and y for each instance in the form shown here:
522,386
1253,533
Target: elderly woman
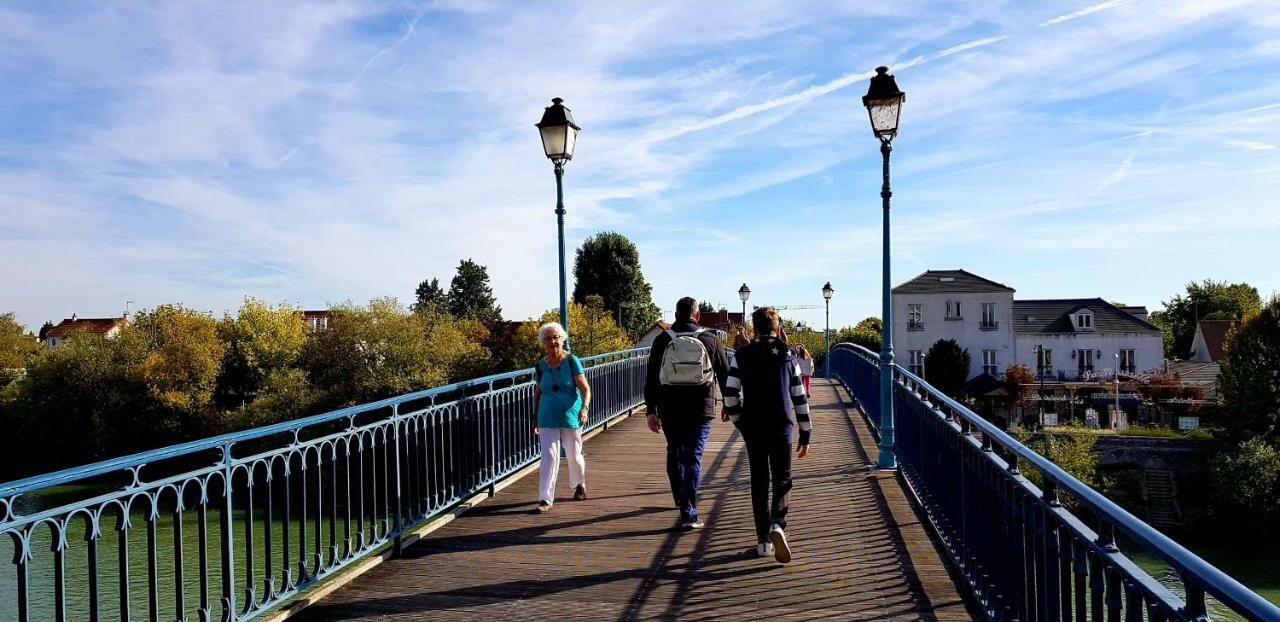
561,398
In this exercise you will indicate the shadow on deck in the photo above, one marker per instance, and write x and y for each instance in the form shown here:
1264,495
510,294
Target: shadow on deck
861,552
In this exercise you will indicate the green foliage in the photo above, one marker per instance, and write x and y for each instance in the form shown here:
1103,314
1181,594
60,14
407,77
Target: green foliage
284,394
183,356
947,366
871,324
1245,478
1207,299
1250,376
1155,432
866,333
430,295
380,350
1161,321
1199,434
259,340
470,297
608,265
16,348
1069,448
706,307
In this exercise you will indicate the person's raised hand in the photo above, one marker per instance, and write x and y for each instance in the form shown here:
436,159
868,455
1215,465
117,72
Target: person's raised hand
802,451
655,424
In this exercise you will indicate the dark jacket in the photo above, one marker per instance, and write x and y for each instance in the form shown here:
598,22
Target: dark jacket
675,403
765,393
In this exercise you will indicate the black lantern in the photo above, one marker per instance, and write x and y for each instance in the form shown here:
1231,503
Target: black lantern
744,292
827,292
559,132
884,104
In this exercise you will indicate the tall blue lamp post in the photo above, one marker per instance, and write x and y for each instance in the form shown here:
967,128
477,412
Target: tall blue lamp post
559,136
744,293
827,292
884,104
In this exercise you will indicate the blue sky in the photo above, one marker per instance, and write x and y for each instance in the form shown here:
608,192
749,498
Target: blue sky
322,152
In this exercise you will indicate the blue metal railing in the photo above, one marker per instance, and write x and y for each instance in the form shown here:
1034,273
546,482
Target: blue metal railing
1023,554
295,502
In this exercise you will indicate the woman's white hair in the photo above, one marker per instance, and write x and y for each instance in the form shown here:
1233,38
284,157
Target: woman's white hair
549,328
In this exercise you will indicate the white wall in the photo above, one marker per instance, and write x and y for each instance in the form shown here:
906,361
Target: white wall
965,331
1148,350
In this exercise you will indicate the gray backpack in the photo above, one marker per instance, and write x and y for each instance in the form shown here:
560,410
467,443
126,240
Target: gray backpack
686,362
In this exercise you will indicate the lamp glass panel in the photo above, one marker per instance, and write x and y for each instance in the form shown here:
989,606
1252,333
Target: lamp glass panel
884,115
571,141
553,140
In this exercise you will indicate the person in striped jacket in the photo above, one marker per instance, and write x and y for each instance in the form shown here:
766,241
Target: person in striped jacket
765,399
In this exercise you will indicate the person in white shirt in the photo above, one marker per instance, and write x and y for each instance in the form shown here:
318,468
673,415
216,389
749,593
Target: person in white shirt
806,367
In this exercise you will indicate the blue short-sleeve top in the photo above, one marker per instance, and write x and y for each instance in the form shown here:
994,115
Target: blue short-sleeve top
560,402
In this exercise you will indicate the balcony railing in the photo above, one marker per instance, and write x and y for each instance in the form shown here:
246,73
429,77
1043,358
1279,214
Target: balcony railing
226,528
912,325
988,325
1022,552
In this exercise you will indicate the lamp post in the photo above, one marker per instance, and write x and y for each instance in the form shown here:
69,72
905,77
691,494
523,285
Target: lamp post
1039,349
827,292
559,137
1116,416
884,105
744,293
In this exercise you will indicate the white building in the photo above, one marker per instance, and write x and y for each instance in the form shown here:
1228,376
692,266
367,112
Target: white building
1079,337
954,304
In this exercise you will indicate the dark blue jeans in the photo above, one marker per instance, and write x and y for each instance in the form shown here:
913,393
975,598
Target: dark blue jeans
685,442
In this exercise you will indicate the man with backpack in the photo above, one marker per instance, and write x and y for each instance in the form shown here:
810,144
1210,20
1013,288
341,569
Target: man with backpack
685,363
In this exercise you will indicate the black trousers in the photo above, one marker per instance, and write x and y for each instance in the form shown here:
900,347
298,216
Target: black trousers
769,456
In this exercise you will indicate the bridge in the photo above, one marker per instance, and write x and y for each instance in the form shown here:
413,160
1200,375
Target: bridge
417,507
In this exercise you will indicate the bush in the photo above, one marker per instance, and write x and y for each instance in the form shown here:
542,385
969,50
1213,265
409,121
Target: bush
1155,432
1245,478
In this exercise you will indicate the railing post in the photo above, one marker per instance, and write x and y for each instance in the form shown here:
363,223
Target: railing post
398,546
228,540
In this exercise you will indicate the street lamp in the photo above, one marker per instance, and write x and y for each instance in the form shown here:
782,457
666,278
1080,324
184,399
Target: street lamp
744,293
827,292
884,105
559,137
1039,350
1116,416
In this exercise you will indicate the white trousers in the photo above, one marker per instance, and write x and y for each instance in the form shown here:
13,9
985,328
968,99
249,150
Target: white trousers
552,439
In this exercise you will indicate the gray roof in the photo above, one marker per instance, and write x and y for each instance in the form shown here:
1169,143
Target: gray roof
938,281
1053,316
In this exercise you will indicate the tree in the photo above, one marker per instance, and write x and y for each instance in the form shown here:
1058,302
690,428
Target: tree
380,350
1017,379
706,307
865,333
44,330
594,332
1250,375
184,356
608,265
871,324
1245,480
260,340
470,296
16,348
1207,299
947,366
430,295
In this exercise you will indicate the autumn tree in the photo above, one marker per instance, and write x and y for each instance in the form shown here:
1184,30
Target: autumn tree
16,348
1017,380
1250,376
260,340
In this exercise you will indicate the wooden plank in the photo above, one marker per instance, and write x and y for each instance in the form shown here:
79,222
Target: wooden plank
861,548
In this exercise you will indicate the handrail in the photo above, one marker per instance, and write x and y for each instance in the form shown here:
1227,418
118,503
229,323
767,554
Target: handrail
1194,570
290,514
44,480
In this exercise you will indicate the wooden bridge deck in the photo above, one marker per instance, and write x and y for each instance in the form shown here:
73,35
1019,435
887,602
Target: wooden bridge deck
861,552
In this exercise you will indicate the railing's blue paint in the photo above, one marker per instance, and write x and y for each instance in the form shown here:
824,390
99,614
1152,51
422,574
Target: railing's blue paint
1022,553
365,474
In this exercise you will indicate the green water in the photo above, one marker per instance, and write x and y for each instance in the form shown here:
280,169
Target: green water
1256,565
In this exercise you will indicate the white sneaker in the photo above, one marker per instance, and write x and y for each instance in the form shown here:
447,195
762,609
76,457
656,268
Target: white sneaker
764,549
781,551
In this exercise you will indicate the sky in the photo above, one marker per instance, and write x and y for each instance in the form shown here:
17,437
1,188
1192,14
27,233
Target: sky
316,153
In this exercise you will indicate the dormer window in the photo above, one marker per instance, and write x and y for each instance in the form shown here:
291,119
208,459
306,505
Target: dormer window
1083,320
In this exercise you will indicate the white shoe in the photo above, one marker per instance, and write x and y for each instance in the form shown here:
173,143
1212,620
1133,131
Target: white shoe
764,549
781,551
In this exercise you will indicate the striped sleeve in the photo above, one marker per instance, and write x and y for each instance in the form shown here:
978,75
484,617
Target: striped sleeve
800,403
733,392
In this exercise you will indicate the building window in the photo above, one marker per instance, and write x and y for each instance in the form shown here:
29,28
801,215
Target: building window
988,316
1084,360
1044,361
916,362
953,310
1084,320
989,362
1127,363
915,317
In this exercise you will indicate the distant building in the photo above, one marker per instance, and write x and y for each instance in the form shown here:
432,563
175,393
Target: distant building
724,321
1065,339
106,327
1211,336
647,338
317,319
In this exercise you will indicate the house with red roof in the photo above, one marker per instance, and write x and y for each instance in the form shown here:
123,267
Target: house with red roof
107,327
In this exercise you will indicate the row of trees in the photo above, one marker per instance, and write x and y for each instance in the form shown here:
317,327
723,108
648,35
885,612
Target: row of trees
176,374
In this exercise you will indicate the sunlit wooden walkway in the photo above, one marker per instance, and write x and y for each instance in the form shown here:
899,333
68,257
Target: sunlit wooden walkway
861,552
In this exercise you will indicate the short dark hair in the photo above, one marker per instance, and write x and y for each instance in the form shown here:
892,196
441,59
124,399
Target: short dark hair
764,320
685,308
